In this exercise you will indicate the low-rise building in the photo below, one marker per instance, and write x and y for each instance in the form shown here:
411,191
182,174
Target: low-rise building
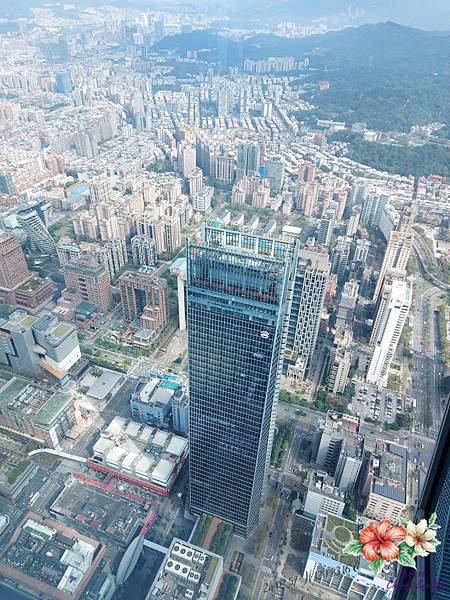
386,482
139,454
187,572
36,412
151,401
51,560
330,567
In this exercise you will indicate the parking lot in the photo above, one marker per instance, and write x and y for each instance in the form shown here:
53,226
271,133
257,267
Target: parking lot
376,403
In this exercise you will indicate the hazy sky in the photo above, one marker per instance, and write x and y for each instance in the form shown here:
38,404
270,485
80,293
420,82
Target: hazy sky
426,14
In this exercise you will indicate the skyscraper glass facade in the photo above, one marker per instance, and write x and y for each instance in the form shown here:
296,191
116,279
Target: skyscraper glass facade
237,305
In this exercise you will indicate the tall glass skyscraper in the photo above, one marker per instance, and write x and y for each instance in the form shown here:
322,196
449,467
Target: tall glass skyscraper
432,580
237,310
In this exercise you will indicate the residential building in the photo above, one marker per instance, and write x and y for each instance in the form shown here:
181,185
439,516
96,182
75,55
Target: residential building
144,299
361,251
186,159
91,279
353,222
250,157
195,179
32,219
372,209
312,272
306,173
391,317
143,250
225,167
396,256
274,172
326,227
341,356
13,265
201,201
307,197
348,299
100,190
237,307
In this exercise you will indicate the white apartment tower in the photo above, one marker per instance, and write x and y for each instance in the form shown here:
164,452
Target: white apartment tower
388,328
397,254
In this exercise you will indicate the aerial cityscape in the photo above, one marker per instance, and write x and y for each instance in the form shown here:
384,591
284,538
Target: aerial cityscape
224,300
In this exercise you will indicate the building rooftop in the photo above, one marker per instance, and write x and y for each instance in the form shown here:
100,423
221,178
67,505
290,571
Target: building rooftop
331,535
104,384
49,558
187,573
37,403
324,484
147,453
390,471
345,427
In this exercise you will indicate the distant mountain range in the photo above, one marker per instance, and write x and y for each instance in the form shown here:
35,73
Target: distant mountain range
434,14
386,74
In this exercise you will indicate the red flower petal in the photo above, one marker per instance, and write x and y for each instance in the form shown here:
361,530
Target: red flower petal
389,551
382,528
368,534
396,534
370,551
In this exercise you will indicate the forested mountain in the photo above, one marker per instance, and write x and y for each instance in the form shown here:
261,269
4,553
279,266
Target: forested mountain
386,74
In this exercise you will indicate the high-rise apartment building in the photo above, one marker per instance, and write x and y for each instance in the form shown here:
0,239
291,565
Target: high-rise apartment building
195,181
274,172
224,100
13,266
100,190
397,254
340,361
63,82
353,221
306,173
225,167
312,272
237,306
91,279
33,219
143,250
391,316
6,183
307,198
186,159
326,227
249,157
144,297
372,209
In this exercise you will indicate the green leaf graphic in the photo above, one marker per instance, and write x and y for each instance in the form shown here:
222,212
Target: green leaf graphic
354,548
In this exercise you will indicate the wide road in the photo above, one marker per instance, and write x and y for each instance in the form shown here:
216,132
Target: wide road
427,365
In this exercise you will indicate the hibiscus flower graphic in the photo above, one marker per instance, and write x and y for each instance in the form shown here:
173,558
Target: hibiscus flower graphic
378,540
382,541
